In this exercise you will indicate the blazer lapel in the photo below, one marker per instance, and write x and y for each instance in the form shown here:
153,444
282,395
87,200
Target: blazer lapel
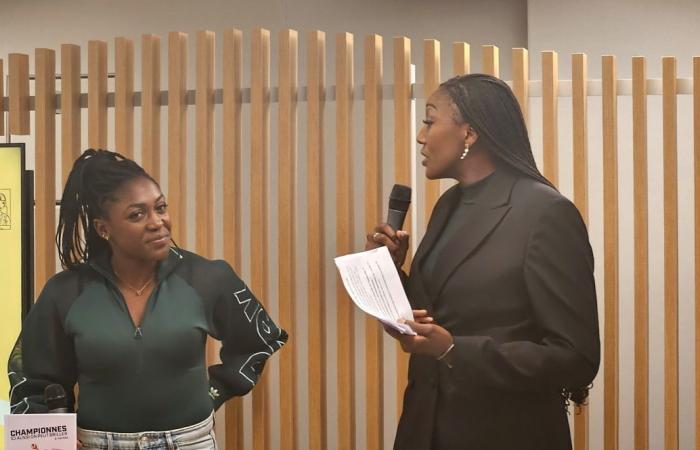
438,218
488,211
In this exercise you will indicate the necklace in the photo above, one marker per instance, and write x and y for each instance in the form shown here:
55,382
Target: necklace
138,292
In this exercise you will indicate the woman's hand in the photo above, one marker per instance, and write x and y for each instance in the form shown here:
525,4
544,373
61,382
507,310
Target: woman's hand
395,241
432,339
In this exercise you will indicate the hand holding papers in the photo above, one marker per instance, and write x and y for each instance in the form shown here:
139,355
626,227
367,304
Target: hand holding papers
372,282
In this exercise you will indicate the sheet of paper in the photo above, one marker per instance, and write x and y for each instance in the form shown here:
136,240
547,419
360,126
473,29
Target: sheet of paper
372,282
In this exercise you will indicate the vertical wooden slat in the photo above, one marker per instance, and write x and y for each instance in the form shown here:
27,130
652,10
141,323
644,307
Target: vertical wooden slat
641,255
550,98
460,58
345,311
579,80
177,134
287,142
611,257
204,138
18,68
2,98
232,235
124,96
316,303
260,129
490,63
45,165
431,81
521,78
150,104
402,165
232,209
374,353
670,148
70,107
97,94
696,155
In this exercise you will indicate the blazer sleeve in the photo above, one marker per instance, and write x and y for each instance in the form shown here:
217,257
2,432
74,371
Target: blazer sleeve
558,274
42,355
247,334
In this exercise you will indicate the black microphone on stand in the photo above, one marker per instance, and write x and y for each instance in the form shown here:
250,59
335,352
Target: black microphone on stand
399,201
55,397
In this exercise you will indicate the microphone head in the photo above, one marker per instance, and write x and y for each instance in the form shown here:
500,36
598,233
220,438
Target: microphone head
55,397
400,197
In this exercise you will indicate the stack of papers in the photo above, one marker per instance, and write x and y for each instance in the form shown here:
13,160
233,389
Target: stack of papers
372,282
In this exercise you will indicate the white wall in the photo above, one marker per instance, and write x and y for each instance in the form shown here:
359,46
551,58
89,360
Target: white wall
626,28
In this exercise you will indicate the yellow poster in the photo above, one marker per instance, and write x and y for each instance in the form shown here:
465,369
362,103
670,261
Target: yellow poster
11,168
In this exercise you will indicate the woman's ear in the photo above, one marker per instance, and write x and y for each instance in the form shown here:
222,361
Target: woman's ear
470,136
102,228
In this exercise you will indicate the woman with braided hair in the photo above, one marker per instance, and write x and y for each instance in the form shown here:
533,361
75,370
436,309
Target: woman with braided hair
129,316
501,286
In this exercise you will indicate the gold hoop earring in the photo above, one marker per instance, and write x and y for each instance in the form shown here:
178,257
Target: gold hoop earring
464,153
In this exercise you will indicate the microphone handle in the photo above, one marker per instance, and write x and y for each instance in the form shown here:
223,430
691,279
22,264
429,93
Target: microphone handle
395,218
58,411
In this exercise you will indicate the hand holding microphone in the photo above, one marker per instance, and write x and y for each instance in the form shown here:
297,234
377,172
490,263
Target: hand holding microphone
390,234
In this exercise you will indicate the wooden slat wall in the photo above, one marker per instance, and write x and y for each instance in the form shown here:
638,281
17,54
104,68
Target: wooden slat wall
45,166
521,79
670,161
232,204
579,97
70,108
402,166
18,68
124,97
177,134
460,58
696,155
97,94
374,352
204,144
611,257
550,99
289,415
150,104
316,73
259,145
287,153
641,255
345,309
490,60
431,81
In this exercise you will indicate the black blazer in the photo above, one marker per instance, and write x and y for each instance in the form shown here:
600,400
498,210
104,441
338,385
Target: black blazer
515,288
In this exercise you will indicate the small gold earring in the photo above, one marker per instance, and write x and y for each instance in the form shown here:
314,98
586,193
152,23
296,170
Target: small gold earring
105,237
464,153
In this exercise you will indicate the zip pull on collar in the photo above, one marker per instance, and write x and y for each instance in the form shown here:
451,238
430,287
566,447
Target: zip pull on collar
137,333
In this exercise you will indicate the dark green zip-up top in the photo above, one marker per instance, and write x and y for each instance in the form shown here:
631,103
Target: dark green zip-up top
149,378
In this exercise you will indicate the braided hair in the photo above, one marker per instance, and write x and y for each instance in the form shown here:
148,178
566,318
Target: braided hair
488,105
95,177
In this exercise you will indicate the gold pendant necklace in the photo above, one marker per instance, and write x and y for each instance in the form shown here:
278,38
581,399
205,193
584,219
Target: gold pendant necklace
138,292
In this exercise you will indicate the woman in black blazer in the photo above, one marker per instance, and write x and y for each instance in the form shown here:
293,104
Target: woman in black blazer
501,286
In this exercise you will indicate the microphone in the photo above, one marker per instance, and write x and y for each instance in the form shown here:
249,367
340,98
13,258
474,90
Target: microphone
55,397
399,200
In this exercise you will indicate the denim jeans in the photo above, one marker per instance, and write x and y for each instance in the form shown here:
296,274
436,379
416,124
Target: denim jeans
199,436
